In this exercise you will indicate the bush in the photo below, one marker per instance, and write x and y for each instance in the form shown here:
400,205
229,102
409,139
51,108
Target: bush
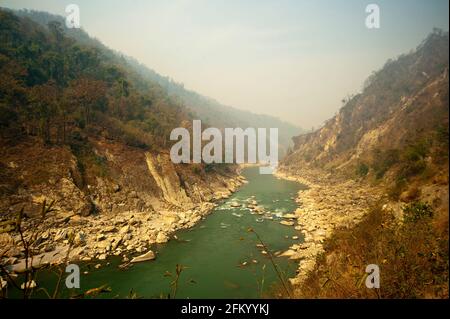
410,169
416,152
384,160
396,189
362,169
413,258
417,211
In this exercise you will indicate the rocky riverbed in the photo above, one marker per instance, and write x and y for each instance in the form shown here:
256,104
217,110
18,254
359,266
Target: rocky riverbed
127,234
326,205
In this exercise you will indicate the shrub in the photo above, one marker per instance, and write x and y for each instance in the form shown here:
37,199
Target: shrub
384,160
396,189
362,169
416,152
413,258
417,211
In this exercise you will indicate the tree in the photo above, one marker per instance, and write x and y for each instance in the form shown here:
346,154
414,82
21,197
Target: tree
44,100
88,95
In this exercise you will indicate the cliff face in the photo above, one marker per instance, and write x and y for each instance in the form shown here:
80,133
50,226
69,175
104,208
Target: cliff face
111,198
402,104
113,178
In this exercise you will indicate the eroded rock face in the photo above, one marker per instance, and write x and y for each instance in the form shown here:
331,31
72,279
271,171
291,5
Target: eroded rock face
163,172
139,200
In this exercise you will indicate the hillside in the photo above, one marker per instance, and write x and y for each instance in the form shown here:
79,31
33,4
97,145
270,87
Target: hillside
388,115
82,130
378,177
200,107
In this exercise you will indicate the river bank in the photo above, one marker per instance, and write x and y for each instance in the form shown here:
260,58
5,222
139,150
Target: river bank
96,237
220,257
327,204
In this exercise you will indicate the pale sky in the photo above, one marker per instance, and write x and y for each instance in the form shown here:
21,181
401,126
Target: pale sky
292,59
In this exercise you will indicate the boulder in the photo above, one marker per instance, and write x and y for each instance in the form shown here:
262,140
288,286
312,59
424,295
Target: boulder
3,283
125,229
235,204
102,257
87,209
150,255
161,238
287,223
61,235
288,253
30,284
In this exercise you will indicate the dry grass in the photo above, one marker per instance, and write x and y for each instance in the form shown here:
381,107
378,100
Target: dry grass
412,256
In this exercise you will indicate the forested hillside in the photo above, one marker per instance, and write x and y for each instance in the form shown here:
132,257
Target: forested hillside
80,126
198,106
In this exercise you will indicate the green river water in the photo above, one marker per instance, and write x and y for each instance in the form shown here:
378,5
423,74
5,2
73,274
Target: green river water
212,252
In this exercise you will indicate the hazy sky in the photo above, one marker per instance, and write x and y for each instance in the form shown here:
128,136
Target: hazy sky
292,59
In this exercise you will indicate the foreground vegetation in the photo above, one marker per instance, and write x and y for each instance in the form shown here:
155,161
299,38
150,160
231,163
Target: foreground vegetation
412,256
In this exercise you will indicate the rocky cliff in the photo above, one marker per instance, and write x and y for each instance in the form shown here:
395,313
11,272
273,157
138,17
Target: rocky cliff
124,201
403,103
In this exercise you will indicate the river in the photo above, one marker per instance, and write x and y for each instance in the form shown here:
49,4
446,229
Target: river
219,255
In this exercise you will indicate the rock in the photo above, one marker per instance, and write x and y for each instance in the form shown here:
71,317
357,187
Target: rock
87,209
125,229
150,255
161,238
287,223
133,194
98,266
289,216
80,239
30,285
60,235
102,257
235,204
109,229
294,237
259,209
288,253
116,244
3,283
100,237
45,235
170,219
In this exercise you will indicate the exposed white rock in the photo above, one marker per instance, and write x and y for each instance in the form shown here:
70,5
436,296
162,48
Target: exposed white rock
161,238
150,255
29,285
